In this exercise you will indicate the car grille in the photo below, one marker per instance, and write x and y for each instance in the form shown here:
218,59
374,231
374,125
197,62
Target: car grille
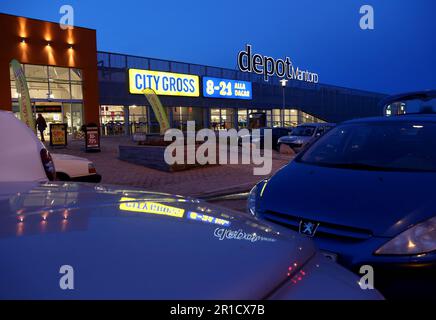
325,229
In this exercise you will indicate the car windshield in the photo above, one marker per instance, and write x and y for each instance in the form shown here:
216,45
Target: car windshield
399,146
303,131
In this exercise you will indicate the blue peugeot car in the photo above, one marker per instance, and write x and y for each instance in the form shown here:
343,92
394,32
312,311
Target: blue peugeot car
366,193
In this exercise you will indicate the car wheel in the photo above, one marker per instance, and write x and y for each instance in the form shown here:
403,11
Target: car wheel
61,176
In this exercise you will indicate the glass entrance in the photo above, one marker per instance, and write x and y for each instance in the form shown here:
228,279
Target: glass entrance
55,93
72,115
51,112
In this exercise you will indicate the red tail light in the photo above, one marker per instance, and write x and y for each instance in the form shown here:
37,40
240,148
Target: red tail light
91,168
48,164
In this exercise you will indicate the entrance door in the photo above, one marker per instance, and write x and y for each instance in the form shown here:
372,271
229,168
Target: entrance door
73,117
52,113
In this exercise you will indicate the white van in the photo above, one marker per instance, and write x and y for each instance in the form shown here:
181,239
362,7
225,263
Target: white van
25,158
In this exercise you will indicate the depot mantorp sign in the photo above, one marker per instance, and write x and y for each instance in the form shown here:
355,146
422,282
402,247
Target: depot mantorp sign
268,66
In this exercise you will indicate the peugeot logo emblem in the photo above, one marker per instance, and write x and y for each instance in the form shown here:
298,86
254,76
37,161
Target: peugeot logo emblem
308,228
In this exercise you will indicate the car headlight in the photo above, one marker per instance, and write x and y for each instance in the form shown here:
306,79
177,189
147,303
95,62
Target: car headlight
253,197
251,201
419,239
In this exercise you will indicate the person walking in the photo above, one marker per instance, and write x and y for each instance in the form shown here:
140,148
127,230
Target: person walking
41,125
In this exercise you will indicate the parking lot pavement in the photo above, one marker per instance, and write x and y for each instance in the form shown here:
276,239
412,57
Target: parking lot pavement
199,182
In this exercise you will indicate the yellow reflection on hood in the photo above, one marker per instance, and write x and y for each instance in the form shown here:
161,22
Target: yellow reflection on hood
134,205
207,219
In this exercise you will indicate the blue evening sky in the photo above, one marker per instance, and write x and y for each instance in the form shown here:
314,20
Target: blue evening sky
320,35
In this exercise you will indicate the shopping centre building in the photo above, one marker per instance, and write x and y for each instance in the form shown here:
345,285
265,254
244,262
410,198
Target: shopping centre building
71,82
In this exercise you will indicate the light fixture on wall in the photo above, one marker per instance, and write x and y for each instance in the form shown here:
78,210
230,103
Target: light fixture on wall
48,44
23,40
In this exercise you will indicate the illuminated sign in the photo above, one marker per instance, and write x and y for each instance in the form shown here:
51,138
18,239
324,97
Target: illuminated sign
225,88
268,66
135,205
164,83
58,134
208,219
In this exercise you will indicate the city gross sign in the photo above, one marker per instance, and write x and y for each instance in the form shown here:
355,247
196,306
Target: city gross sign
163,83
268,66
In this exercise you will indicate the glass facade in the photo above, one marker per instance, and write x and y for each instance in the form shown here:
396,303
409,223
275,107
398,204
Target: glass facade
55,92
181,115
330,103
127,120
291,118
138,121
305,118
112,120
275,118
222,118
242,118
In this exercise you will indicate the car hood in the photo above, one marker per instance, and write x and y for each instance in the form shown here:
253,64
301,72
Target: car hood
130,244
59,157
384,203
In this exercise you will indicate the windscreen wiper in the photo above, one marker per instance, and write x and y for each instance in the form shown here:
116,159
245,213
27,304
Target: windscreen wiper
358,166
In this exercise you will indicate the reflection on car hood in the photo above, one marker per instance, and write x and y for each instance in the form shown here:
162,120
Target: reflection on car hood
384,203
128,243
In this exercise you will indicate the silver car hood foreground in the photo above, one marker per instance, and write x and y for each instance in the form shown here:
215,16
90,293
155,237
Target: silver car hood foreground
132,244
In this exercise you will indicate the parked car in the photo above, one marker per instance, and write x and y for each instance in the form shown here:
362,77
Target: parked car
131,244
23,157
72,168
69,240
367,190
304,134
24,163
276,132
411,102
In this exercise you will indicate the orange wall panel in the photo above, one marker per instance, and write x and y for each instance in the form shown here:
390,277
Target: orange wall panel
37,33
